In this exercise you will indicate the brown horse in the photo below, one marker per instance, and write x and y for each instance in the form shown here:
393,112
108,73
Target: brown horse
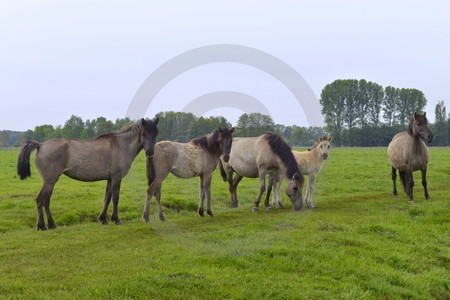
408,152
108,157
199,157
309,163
255,157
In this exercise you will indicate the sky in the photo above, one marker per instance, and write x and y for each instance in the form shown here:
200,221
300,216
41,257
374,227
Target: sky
90,58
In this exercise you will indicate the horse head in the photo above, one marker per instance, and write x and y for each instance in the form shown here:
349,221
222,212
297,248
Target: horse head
324,145
149,134
225,140
294,190
418,127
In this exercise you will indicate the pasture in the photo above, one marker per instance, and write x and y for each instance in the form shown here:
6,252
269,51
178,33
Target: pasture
359,243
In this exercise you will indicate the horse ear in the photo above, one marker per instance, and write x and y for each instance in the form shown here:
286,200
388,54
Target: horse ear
232,130
220,129
425,114
320,138
156,121
330,138
295,176
143,121
415,115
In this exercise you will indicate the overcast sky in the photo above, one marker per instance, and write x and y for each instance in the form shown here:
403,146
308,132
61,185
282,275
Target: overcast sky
89,58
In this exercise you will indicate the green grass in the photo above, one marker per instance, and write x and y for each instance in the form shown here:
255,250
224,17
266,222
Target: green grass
359,243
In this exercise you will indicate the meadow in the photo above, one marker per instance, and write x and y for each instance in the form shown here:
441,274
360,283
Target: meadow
359,243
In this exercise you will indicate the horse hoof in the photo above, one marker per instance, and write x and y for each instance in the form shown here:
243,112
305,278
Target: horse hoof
411,201
233,205
201,213
52,226
255,209
161,218
210,213
118,223
41,227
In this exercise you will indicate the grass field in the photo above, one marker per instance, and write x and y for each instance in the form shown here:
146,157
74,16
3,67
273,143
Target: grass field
359,243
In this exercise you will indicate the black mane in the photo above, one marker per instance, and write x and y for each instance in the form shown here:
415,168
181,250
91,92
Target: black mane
284,152
209,142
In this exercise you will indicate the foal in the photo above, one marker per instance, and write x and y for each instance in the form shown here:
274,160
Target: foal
199,157
408,152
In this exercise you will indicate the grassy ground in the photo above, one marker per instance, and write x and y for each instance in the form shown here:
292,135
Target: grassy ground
359,243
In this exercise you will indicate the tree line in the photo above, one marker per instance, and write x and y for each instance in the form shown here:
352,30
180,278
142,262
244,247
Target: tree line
363,113
173,126
356,113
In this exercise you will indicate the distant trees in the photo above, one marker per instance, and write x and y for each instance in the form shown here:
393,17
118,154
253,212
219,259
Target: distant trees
441,133
353,110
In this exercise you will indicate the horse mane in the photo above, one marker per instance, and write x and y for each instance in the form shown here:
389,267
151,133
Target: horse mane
419,118
133,127
284,152
209,142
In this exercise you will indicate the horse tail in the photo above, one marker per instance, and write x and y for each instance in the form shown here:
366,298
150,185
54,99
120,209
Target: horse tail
23,164
222,171
150,171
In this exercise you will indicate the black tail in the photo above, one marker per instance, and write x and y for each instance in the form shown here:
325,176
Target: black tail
150,171
222,171
23,164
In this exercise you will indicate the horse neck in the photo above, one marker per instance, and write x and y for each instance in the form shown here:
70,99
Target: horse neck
417,144
131,140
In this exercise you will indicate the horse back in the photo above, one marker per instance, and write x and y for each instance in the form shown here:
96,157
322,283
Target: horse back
86,160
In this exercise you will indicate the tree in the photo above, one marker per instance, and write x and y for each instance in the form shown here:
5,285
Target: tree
409,102
73,127
390,105
440,135
333,101
254,124
4,138
43,132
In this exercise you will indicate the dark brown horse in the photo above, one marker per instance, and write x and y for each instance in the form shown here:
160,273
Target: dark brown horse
199,157
408,152
108,157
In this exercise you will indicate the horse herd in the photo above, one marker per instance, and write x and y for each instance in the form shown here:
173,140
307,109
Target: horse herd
109,157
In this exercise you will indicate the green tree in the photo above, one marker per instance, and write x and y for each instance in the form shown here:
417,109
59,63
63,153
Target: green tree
440,134
4,138
333,101
73,127
390,100
409,102
254,124
44,132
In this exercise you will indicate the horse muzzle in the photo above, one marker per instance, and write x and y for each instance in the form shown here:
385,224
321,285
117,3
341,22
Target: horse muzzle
226,158
325,156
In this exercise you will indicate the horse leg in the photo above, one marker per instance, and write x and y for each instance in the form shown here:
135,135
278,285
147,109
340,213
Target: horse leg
43,200
151,191
276,192
394,181
207,188
424,183
202,197
269,190
115,191
158,203
310,190
262,189
233,189
102,216
409,185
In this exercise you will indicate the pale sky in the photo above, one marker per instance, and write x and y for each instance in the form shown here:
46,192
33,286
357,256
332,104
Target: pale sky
89,58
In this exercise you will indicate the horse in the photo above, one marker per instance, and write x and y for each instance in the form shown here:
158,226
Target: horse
107,157
198,157
408,152
255,157
309,163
